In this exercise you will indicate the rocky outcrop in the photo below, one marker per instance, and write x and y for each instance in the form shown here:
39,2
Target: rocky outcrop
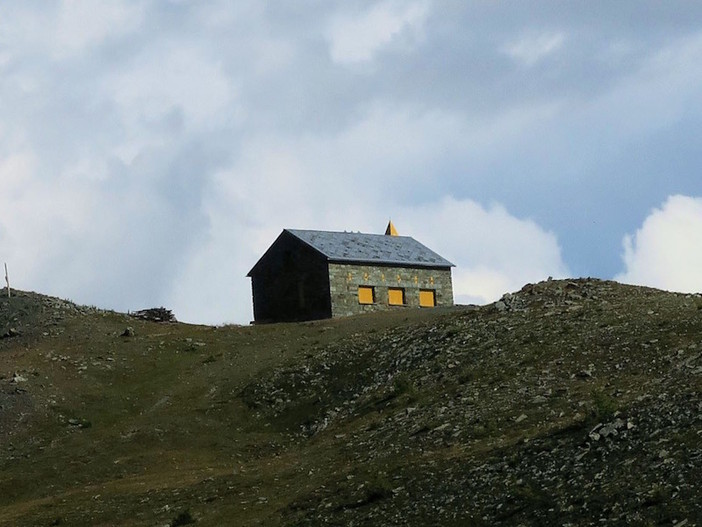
32,314
155,314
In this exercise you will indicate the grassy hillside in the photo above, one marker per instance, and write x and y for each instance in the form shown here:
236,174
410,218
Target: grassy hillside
569,402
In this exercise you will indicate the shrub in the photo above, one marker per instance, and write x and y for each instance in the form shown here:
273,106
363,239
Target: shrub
604,405
377,488
184,518
401,384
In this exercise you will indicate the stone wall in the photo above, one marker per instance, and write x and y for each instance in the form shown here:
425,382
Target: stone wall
344,280
290,283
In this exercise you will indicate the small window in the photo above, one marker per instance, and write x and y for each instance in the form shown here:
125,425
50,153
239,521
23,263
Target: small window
366,294
396,296
427,298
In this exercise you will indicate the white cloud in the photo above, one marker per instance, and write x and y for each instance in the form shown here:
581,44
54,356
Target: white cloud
175,80
661,91
84,23
531,49
15,172
37,217
65,29
382,152
666,252
494,251
356,38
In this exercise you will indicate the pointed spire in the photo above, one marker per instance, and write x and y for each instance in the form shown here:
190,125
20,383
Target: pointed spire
391,230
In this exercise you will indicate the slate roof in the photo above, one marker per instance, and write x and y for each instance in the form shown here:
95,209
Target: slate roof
371,248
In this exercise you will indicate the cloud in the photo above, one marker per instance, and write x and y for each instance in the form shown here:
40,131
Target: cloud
357,38
532,48
66,29
73,32
666,252
494,251
176,81
114,241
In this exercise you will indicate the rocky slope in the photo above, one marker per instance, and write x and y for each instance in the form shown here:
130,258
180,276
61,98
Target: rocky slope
567,403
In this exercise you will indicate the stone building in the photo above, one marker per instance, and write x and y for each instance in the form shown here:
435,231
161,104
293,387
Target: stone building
308,275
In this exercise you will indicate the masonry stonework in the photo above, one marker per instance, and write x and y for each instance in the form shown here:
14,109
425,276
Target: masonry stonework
291,283
344,280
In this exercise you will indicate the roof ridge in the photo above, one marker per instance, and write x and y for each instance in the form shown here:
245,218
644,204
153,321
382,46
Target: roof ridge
347,232
379,249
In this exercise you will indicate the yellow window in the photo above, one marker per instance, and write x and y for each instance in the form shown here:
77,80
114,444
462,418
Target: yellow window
365,295
396,296
427,297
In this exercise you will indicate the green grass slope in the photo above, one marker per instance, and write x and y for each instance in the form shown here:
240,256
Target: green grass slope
567,403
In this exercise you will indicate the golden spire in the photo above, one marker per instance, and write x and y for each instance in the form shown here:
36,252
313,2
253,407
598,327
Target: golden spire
391,230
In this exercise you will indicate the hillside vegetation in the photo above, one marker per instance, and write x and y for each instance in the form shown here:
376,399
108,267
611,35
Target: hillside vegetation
567,403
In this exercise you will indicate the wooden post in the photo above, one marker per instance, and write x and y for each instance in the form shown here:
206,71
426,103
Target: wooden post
7,279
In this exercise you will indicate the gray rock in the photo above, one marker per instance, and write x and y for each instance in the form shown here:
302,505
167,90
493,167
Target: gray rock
17,378
12,332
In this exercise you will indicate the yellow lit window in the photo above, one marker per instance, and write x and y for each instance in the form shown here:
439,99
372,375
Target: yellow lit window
365,295
396,296
427,297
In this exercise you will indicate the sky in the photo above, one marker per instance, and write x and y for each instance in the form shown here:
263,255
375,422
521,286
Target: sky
151,151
